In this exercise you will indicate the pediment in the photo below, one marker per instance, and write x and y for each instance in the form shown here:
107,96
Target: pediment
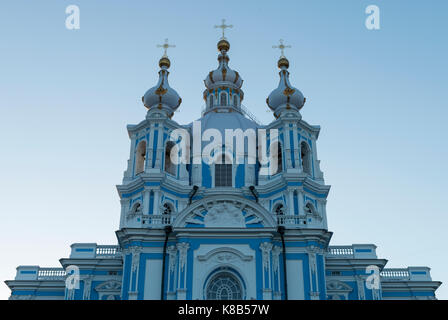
231,212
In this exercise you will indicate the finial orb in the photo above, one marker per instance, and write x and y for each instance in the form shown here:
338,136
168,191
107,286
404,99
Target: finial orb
223,45
164,62
283,62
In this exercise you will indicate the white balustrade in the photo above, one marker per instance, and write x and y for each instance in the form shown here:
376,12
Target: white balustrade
107,251
395,274
51,274
158,220
340,251
287,220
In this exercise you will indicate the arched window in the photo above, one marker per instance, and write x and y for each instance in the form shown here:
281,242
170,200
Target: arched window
167,209
279,209
223,173
137,208
224,286
235,100
170,167
211,100
140,157
223,99
305,155
309,209
277,147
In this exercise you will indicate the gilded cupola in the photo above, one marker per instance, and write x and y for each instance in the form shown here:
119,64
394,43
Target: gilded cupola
162,96
223,85
285,96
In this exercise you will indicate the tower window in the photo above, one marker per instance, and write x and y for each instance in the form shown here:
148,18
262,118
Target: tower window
305,155
167,209
235,100
279,210
309,209
211,100
137,208
223,173
170,167
223,99
140,157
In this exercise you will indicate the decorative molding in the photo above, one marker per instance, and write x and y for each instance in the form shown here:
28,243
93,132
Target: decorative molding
224,214
183,249
172,253
266,248
135,251
276,250
224,254
87,288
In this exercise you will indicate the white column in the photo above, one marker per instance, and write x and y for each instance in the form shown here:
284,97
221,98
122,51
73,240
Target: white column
183,250
287,146
296,146
124,208
145,209
129,171
135,251
266,248
160,148
291,201
300,201
150,148
156,206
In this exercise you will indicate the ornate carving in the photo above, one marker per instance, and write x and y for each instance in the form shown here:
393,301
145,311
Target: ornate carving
276,258
224,254
135,251
288,91
231,213
361,292
109,286
172,252
265,248
225,257
110,289
224,215
183,249
87,288
224,73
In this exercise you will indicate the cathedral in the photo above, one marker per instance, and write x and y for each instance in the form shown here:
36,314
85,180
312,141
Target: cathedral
202,220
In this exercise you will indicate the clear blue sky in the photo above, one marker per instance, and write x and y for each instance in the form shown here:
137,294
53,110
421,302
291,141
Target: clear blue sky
380,97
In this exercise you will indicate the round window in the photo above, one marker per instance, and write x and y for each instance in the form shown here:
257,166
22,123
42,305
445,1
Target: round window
224,286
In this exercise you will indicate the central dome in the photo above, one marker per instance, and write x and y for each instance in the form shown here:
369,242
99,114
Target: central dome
223,75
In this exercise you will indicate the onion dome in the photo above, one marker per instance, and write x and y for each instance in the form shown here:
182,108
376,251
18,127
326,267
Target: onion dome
285,97
223,75
162,96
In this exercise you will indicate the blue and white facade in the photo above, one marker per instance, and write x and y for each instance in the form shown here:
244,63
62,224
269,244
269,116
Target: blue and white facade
222,231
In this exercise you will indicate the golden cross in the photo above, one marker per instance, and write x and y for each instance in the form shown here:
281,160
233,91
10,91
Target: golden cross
282,47
224,26
165,46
